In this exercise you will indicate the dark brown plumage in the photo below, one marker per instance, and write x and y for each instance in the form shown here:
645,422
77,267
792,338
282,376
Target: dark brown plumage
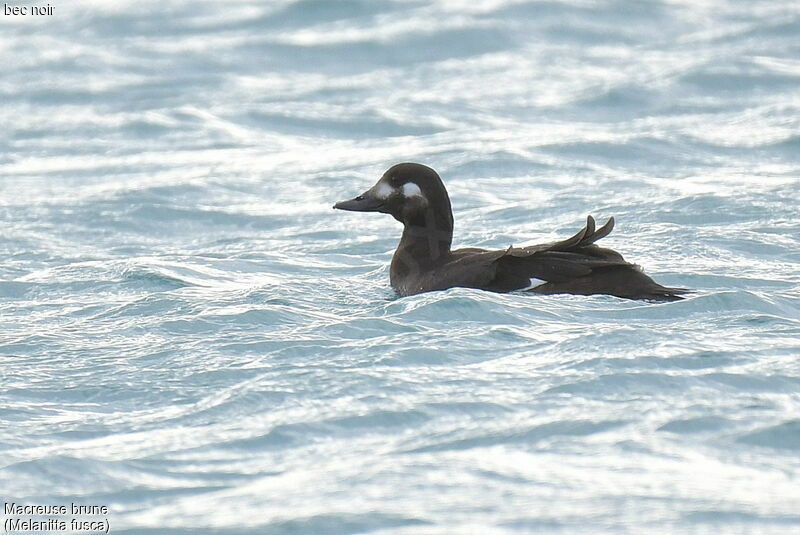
415,195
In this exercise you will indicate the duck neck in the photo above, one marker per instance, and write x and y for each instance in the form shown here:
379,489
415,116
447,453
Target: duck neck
426,239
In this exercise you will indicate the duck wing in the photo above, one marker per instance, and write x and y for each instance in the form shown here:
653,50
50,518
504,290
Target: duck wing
513,268
585,237
577,266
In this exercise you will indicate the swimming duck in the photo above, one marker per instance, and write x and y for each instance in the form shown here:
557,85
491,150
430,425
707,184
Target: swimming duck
415,196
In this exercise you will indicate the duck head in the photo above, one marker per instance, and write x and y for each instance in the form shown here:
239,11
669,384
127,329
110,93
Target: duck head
412,193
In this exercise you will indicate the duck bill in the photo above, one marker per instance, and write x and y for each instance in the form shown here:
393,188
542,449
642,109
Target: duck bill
366,202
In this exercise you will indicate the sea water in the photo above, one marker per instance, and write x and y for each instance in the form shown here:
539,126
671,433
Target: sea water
192,339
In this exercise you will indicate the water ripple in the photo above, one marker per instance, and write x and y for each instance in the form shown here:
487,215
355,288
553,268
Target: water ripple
190,335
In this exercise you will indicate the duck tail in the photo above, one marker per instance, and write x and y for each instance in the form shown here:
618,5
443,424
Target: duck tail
667,293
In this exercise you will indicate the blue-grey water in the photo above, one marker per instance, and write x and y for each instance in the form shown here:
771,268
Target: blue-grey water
192,337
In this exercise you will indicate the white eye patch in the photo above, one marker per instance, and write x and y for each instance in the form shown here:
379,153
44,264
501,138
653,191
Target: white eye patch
412,190
383,190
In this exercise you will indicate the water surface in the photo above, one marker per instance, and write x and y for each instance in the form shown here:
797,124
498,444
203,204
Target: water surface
192,337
